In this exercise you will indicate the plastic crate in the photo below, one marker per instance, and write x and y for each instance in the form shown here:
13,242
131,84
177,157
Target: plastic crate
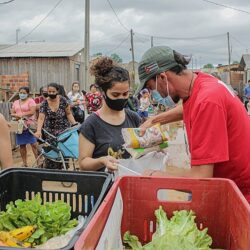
75,188
218,204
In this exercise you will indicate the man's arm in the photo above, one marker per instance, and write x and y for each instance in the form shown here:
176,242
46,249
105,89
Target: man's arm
5,144
172,115
201,171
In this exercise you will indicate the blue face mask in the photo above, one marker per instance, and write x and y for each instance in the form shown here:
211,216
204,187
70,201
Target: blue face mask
23,96
167,101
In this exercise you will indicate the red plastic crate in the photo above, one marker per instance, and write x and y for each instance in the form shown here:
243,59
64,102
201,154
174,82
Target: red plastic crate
218,204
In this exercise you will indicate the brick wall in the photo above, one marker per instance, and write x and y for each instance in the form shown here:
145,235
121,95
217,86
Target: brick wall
11,84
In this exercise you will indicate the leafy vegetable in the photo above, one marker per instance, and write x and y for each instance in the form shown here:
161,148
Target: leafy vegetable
52,219
180,232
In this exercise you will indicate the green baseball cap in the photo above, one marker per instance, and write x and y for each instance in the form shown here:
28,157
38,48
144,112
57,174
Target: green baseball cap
155,61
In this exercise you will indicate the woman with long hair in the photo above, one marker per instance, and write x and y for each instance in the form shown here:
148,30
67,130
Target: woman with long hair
77,101
54,116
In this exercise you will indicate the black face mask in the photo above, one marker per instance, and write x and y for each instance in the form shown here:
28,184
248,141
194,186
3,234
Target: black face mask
115,104
52,96
45,94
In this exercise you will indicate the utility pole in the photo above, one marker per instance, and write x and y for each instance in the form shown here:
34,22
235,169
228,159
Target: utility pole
86,45
17,31
229,57
133,57
152,41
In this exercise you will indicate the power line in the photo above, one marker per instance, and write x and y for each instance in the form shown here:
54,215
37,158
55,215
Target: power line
139,39
108,38
43,19
7,2
239,42
119,45
119,20
226,6
184,38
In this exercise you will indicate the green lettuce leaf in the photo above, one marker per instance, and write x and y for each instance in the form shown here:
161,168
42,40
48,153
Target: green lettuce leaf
132,241
51,219
179,232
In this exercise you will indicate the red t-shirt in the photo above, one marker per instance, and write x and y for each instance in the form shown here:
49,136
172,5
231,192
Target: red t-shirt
218,130
94,101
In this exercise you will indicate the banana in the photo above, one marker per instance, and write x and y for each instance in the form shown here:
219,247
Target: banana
23,233
10,241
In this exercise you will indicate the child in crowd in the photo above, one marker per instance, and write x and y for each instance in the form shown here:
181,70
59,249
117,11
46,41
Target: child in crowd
144,103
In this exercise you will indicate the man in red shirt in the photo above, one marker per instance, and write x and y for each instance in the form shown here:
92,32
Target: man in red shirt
217,124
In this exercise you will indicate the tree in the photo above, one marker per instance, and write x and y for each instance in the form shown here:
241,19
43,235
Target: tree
98,54
208,66
116,58
235,62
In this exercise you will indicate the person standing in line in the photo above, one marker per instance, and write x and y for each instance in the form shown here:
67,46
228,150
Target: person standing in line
133,102
94,99
43,94
144,104
6,160
25,108
217,125
247,95
54,116
78,103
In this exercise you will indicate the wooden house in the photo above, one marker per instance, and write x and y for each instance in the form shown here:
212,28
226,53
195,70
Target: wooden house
37,64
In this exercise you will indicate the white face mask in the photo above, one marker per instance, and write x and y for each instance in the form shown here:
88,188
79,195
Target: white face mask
167,101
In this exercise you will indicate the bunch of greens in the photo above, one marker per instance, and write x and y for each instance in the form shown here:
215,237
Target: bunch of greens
180,232
51,219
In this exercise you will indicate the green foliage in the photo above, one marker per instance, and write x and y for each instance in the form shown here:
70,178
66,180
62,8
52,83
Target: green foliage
180,232
51,219
208,66
116,58
98,54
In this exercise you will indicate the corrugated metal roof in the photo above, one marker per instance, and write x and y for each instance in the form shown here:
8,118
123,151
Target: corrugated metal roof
40,50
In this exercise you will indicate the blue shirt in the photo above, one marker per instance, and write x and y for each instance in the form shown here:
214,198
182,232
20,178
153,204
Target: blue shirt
247,91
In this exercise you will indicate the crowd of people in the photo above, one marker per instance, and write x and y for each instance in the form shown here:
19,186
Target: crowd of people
216,122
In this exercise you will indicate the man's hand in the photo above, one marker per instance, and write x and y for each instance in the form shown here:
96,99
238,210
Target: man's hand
147,124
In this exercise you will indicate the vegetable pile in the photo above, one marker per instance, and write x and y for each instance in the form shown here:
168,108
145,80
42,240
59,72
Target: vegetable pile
49,220
179,232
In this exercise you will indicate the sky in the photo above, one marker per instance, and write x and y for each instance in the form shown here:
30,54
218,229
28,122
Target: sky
195,28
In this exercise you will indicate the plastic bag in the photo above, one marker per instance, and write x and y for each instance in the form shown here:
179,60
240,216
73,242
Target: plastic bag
62,240
20,126
152,160
152,137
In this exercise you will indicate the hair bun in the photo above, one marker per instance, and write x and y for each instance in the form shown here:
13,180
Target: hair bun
101,67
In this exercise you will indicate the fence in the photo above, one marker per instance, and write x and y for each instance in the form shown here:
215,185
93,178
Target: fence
5,110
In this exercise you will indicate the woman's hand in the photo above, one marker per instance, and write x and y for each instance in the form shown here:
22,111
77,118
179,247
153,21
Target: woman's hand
38,134
16,116
110,163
